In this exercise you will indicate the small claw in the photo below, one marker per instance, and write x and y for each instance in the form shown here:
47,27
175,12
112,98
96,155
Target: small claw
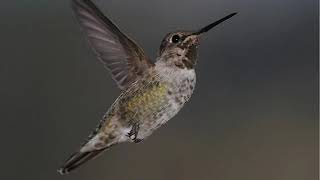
137,140
133,134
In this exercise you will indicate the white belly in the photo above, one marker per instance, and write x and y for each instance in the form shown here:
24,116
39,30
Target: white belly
181,84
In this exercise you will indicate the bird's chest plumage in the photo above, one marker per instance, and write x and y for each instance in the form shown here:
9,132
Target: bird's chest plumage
158,99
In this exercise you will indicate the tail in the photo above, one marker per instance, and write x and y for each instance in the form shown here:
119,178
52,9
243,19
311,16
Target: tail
95,144
77,159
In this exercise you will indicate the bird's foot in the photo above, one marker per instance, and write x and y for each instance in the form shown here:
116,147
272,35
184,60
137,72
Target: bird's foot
136,140
133,134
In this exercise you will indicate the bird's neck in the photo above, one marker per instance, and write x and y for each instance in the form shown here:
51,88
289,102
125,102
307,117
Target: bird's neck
177,61
168,69
183,58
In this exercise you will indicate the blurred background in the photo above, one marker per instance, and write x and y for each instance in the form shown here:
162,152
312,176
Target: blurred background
254,113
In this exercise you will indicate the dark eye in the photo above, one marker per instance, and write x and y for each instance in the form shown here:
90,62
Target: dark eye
175,38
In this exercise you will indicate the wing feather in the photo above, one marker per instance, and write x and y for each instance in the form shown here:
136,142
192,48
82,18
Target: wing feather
122,56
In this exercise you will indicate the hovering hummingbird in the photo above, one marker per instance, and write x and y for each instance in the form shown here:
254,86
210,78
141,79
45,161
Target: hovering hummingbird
152,93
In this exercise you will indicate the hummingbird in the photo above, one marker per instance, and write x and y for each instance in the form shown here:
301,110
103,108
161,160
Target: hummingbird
151,92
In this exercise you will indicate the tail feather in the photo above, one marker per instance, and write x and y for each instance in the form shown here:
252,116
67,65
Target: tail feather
76,160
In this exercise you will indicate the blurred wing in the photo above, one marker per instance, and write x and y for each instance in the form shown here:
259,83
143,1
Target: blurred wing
122,56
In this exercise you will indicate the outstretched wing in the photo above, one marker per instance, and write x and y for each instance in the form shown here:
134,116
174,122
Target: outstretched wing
121,55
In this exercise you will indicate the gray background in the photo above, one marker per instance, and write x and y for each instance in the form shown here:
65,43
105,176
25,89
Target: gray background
254,113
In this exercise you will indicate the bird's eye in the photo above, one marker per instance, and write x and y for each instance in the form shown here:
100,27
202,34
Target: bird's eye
175,38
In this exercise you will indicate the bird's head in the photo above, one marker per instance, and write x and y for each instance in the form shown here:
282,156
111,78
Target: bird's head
180,48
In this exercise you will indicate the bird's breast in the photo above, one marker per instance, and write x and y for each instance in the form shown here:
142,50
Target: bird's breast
153,101
176,88
148,98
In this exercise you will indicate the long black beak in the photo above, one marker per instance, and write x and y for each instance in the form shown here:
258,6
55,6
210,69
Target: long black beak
210,26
